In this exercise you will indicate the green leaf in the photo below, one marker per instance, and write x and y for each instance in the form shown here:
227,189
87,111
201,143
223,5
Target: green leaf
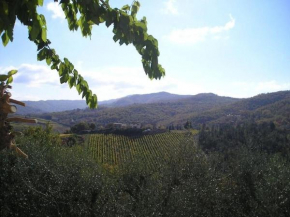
62,69
64,79
5,38
110,17
12,72
66,61
137,3
71,81
3,77
54,66
78,87
40,2
10,33
125,8
115,38
93,101
75,72
48,61
134,10
41,54
9,80
89,96
35,30
43,35
84,90
141,26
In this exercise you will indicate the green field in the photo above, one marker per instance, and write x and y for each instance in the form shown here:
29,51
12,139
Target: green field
117,149
56,127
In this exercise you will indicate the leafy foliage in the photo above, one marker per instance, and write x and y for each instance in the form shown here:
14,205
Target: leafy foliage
259,137
61,181
82,15
82,126
7,79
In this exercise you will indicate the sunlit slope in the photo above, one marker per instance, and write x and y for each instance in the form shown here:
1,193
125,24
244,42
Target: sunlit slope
117,149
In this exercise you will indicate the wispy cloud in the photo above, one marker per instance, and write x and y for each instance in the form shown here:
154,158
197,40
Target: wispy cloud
36,76
56,10
39,82
195,35
170,7
110,82
34,82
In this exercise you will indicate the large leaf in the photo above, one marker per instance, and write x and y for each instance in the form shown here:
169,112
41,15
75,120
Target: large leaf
9,80
12,72
125,8
3,77
5,38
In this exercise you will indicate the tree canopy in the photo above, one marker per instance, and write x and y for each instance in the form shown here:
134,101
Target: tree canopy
83,15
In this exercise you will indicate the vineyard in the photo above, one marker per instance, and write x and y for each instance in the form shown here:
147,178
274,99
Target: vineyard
117,149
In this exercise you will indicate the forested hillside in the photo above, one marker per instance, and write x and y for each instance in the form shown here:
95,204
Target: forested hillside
273,107
47,106
153,113
144,99
38,107
198,109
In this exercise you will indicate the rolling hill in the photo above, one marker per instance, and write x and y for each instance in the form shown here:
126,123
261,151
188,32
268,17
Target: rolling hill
201,108
47,106
273,107
151,113
143,99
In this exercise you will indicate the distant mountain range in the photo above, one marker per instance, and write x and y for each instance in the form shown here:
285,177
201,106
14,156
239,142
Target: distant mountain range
143,99
164,109
44,106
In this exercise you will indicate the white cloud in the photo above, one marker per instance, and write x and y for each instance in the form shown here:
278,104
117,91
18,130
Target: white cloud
35,82
38,82
36,76
115,82
195,35
170,7
56,10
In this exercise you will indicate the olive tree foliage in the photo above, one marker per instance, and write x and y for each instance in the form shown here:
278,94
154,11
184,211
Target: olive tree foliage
83,15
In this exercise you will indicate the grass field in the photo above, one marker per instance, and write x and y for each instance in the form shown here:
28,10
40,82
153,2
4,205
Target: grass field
56,127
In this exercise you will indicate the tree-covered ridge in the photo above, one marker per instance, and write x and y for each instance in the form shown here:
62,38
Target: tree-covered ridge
273,107
153,113
37,107
199,109
83,15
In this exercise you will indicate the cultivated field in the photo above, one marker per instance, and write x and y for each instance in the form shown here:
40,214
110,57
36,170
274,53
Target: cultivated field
117,149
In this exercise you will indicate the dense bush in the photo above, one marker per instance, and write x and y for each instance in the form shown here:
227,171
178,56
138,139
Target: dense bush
54,181
64,181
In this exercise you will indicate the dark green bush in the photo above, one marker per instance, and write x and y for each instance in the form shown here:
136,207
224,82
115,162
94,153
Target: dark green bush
64,181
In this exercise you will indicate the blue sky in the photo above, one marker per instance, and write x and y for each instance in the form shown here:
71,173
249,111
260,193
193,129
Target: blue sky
235,48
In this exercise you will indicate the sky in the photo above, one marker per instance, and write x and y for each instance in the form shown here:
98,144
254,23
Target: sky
237,48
